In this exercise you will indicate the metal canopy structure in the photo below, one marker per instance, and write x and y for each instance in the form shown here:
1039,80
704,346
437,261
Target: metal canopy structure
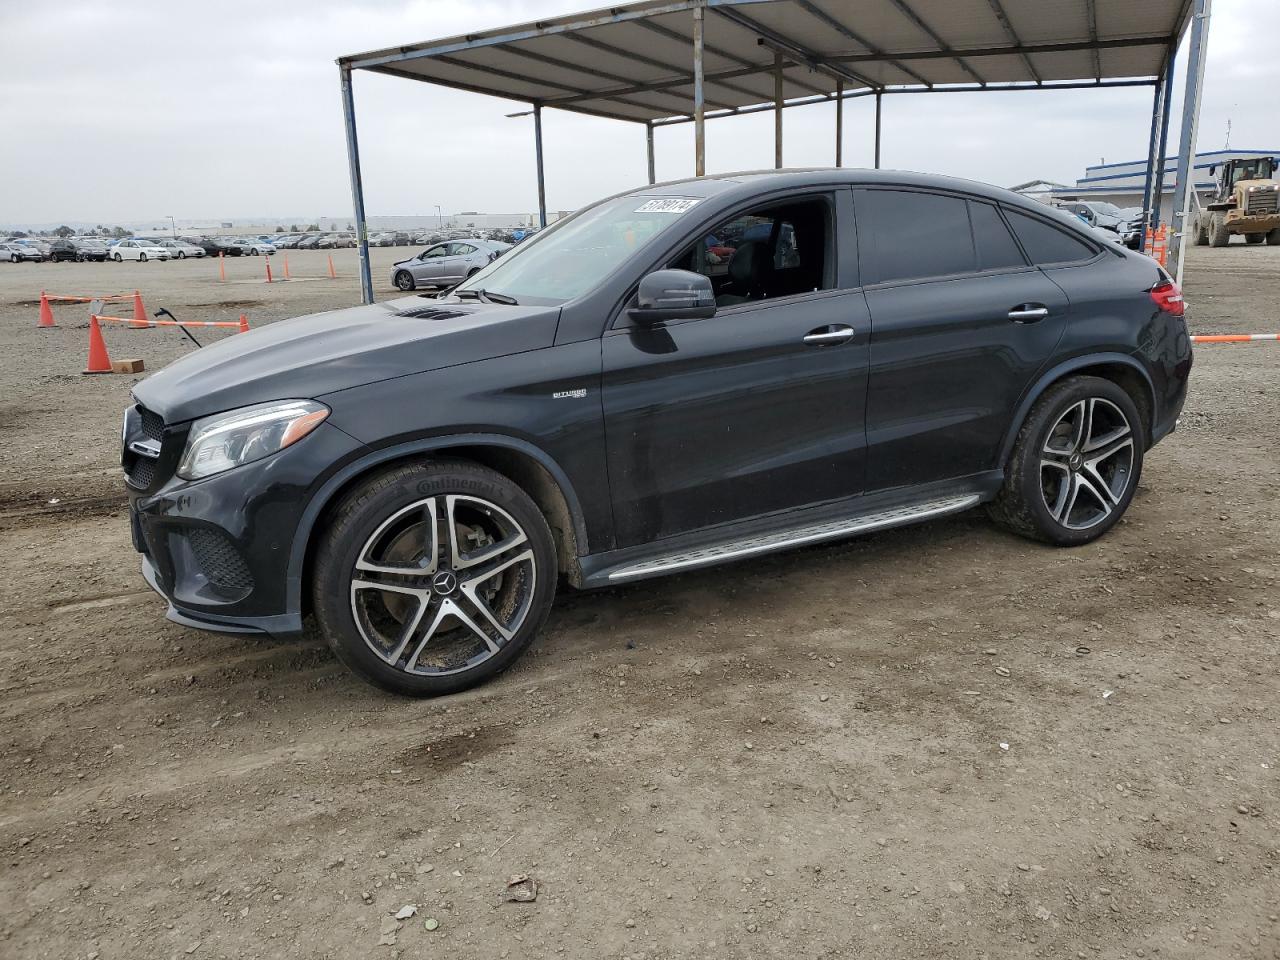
662,62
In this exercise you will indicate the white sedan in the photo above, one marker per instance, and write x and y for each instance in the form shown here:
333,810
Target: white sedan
141,250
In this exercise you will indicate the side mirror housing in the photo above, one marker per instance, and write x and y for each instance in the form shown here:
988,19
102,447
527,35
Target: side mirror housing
674,295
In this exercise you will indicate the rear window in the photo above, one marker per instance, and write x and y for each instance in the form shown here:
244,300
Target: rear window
995,244
1046,243
918,235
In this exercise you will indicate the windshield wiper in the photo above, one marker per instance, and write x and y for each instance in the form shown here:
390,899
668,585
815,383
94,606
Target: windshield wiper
474,294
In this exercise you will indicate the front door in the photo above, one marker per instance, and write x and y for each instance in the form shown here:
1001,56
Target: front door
755,410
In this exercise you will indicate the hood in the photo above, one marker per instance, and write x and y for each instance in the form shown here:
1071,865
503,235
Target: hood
322,353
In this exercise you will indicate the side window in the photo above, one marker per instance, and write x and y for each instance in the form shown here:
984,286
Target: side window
766,253
1046,243
433,252
461,249
919,235
995,245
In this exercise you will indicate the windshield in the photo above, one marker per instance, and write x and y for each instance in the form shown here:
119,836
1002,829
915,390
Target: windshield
576,254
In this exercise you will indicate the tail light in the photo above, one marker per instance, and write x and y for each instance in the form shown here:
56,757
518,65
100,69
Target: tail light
1168,297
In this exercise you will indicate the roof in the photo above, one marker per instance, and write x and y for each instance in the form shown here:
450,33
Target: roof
634,62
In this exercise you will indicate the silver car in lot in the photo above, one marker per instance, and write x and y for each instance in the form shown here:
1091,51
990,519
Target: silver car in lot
446,263
180,249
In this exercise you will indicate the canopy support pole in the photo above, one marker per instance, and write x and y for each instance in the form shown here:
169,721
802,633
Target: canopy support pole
1187,136
537,149
648,136
1153,145
699,106
777,109
1157,193
839,123
878,101
357,184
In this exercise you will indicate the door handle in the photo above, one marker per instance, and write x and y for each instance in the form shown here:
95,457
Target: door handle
1028,312
829,335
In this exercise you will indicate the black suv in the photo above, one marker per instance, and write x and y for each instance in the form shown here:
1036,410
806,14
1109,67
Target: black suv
678,376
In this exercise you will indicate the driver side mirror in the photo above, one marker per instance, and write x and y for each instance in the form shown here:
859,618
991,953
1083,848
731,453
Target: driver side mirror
674,295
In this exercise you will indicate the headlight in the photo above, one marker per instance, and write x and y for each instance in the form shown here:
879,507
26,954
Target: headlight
241,436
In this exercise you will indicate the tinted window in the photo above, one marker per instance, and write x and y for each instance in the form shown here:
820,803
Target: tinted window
919,234
1046,243
995,244
766,253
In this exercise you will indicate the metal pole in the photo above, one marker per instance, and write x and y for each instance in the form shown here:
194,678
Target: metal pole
839,123
357,185
649,141
777,109
537,149
878,99
699,107
1157,193
1187,136
1153,145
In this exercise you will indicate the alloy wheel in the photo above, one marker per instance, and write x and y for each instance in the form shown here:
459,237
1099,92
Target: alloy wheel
443,584
1086,463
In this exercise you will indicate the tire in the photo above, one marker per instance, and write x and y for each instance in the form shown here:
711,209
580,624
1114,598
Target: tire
1273,237
385,523
182,255
1202,232
1218,235
472,272
142,258
404,280
1254,237
119,259
254,252
1051,461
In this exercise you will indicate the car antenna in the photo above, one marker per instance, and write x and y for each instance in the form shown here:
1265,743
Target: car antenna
162,312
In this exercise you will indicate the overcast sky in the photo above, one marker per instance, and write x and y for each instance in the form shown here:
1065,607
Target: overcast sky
128,111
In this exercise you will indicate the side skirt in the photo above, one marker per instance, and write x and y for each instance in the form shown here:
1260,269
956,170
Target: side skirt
832,521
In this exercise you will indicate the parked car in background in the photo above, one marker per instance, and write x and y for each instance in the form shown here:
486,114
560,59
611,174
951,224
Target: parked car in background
213,246
89,249
401,239
140,250
181,250
61,250
604,405
310,242
446,263
19,252
286,241
258,247
382,239
334,241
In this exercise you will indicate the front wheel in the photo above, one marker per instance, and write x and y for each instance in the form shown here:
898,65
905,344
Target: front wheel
182,255
1273,237
119,259
142,258
1219,236
434,577
254,251
1201,232
1075,464
404,280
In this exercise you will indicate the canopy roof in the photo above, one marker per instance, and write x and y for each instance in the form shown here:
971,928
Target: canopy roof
633,62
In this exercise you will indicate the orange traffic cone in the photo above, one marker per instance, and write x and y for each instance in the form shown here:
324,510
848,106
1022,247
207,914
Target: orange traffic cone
286,266
244,324
99,362
267,261
332,273
46,315
222,266
139,312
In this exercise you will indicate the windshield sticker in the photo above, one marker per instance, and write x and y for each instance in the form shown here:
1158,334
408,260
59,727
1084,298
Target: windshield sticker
666,205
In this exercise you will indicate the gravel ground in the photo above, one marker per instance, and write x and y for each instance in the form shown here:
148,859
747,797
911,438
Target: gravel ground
935,742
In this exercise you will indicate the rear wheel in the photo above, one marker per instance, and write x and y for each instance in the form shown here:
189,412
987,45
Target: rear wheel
1218,234
254,251
1254,237
182,255
404,280
142,258
1075,465
1273,237
434,577
1202,232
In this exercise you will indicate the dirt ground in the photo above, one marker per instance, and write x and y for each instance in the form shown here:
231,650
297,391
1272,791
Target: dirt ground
935,742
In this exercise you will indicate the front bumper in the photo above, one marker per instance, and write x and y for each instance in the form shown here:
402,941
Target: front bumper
221,550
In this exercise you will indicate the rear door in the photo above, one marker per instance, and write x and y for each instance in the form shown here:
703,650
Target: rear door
458,262
961,323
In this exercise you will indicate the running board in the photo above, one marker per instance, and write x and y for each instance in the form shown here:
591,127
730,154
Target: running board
799,536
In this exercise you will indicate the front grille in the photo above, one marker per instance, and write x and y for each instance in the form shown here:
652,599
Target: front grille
141,472
430,313
152,423
1263,202
220,561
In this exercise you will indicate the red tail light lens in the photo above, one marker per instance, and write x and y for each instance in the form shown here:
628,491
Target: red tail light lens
1168,297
